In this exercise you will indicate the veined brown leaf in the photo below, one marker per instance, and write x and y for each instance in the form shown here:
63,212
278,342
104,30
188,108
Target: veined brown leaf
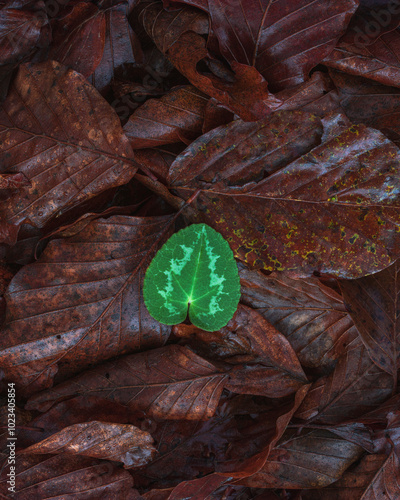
177,116
375,476
311,315
68,156
374,304
355,386
283,40
116,442
314,458
81,303
48,477
370,53
334,210
170,382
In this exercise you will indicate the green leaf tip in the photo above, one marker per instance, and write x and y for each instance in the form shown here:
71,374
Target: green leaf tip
194,269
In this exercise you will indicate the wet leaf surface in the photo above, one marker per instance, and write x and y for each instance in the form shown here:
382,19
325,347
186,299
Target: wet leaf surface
372,53
374,305
327,458
176,117
62,475
342,194
283,41
67,159
355,386
85,293
277,125
115,442
311,315
170,382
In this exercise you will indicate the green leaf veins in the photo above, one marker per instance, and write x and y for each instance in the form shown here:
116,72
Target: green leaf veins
194,270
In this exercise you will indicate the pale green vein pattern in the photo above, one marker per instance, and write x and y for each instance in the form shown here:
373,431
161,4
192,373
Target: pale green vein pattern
195,269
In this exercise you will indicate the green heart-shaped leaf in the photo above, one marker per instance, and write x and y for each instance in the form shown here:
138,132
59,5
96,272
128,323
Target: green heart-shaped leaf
195,269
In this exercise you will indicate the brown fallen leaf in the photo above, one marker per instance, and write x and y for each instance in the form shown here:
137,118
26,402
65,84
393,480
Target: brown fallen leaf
243,91
317,95
241,152
81,302
355,386
282,40
21,28
329,211
122,50
271,367
67,157
197,489
80,29
312,459
170,382
232,443
374,303
370,53
311,315
116,442
372,477
369,102
48,477
176,116
270,436
81,409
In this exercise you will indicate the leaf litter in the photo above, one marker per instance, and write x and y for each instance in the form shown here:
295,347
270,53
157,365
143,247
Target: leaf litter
277,125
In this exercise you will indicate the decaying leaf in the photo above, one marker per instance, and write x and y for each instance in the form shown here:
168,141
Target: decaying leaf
333,210
82,301
67,157
171,382
374,305
115,442
63,475
275,124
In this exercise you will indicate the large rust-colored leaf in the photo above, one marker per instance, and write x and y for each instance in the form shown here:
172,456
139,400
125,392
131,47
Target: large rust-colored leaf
311,315
176,117
374,305
116,442
60,133
334,210
283,40
355,386
64,476
314,458
170,382
81,303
